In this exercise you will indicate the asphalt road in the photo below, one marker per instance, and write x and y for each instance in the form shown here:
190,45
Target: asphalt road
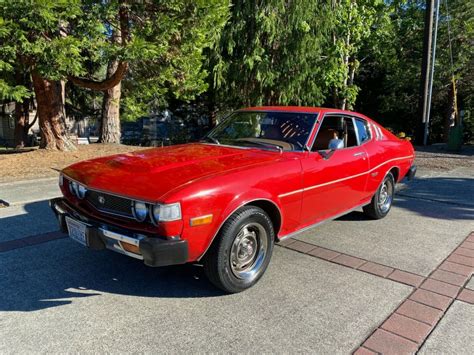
59,297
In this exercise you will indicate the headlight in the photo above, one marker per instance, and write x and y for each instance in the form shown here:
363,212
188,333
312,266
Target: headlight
140,211
73,187
164,213
81,191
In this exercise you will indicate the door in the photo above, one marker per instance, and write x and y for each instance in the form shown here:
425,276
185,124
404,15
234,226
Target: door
334,180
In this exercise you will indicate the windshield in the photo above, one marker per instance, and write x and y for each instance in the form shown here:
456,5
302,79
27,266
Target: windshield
286,131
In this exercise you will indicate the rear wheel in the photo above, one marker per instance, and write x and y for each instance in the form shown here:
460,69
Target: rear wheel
242,251
382,200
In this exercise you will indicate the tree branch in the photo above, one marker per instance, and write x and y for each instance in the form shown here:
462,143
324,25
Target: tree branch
122,67
105,84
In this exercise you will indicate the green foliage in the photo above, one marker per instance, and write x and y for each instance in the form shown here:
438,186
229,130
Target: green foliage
74,38
13,92
294,52
357,27
390,77
270,52
167,53
364,54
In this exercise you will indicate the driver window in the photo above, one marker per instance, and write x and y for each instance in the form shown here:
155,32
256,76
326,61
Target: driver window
335,132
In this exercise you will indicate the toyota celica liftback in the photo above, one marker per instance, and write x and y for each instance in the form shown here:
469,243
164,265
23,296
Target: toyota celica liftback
262,175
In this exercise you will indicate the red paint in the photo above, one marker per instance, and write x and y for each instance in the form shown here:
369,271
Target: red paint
212,179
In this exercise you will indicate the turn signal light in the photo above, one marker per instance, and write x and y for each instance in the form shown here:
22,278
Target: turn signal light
130,248
199,221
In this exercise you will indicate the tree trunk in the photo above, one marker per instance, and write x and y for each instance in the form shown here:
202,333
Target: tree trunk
22,109
450,115
21,123
110,123
52,123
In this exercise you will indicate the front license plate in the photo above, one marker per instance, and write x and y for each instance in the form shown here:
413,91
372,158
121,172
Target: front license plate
77,230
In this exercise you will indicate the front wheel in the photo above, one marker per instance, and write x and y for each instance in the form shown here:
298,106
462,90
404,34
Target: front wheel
382,200
242,250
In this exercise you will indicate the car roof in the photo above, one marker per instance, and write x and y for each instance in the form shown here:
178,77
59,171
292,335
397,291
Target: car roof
303,109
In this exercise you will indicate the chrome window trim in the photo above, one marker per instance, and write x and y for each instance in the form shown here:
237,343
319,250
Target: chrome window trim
367,126
345,115
356,131
374,129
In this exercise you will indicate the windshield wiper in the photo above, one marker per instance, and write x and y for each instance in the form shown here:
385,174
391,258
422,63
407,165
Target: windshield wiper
265,144
212,139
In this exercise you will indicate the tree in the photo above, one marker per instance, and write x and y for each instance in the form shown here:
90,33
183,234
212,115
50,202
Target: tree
171,42
22,111
390,76
69,39
33,36
270,52
357,25
110,118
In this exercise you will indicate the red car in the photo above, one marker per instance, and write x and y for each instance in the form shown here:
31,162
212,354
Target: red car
262,175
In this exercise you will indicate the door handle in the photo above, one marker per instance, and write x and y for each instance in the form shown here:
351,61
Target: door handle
359,154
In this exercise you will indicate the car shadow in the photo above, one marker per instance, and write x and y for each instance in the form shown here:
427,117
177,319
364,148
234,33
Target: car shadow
55,273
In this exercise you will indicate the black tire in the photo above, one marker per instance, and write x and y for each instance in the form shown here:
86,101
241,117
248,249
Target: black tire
380,205
248,230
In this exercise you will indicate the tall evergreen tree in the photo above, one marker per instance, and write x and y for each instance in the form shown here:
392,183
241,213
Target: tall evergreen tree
270,52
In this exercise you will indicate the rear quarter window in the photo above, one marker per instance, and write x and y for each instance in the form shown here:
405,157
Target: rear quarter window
362,130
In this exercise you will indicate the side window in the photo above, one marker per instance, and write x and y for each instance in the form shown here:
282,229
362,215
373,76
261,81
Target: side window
335,132
350,138
362,130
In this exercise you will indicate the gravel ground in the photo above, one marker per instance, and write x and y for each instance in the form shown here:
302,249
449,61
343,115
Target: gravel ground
436,157
41,163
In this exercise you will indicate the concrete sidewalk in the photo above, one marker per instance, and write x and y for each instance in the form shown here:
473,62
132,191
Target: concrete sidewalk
22,192
28,212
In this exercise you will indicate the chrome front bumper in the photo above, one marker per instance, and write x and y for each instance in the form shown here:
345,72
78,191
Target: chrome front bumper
154,251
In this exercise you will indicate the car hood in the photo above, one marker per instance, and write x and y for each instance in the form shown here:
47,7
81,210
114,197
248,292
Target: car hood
152,173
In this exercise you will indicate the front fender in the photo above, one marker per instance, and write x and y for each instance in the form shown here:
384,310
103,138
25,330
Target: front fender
221,207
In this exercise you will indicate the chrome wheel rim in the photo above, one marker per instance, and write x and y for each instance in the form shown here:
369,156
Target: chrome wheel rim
248,251
385,196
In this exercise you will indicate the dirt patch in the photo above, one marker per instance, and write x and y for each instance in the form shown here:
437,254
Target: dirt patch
40,163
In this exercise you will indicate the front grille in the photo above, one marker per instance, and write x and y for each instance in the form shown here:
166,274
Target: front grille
110,203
